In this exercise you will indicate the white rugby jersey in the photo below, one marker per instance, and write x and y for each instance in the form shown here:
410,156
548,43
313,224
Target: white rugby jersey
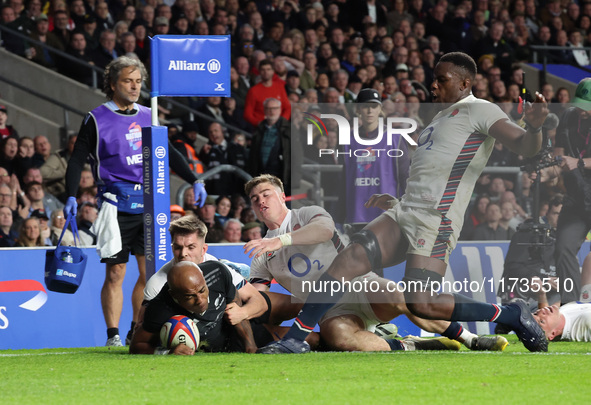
291,265
578,322
451,153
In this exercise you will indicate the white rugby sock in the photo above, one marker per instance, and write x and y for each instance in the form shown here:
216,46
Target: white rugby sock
468,337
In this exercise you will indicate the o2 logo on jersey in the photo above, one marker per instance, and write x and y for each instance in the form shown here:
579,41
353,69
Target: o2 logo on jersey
297,259
425,138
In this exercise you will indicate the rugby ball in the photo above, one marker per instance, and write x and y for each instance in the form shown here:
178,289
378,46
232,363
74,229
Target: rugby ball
179,330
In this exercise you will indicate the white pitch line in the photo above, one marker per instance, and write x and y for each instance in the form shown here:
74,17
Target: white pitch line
38,354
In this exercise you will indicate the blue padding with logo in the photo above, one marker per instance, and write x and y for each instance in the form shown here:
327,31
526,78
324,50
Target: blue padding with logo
190,65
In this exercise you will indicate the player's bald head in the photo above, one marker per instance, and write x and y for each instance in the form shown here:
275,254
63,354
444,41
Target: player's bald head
184,274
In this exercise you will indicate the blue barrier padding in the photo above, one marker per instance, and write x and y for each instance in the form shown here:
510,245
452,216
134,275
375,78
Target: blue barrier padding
31,317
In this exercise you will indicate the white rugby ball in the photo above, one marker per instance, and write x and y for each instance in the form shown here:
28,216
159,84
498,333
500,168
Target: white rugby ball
179,330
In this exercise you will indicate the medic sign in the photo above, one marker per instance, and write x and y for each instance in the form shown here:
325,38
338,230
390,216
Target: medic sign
190,65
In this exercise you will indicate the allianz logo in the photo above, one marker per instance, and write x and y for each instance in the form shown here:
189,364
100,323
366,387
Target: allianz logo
213,66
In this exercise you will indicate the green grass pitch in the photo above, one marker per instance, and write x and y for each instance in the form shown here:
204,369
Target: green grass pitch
112,376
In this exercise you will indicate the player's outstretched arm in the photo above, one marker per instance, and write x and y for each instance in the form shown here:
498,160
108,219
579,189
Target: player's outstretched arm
523,142
143,342
244,332
253,305
318,230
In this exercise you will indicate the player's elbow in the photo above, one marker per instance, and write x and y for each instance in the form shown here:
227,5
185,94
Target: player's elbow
139,348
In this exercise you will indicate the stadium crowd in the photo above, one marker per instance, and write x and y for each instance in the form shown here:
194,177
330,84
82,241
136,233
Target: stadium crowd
284,52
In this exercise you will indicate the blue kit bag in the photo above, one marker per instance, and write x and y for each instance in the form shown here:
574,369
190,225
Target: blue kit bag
64,266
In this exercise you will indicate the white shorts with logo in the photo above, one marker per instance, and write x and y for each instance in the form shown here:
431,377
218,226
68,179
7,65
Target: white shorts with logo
356,303
428,232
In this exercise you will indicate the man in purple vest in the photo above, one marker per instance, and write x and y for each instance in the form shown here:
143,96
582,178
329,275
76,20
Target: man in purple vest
376,169
111,137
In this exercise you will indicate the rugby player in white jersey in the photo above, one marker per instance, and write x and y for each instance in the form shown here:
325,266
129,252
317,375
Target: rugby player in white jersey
300,245
570,322
423,228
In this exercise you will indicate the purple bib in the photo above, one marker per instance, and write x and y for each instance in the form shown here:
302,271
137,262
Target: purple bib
119,144
370,172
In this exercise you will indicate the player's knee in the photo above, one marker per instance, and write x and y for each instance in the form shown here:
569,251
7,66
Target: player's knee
337,337
115,274
351,262
420,309
370,247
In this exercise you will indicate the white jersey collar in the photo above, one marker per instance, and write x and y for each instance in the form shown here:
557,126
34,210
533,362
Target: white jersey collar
283,229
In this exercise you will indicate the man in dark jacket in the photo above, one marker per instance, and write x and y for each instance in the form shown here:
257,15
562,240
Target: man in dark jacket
271,148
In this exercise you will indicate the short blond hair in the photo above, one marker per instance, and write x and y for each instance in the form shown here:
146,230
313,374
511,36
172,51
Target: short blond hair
263,178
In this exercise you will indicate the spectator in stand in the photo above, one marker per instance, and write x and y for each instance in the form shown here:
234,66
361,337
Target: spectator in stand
147,15
8,18
61,27
491,228
213,109
77,12
119,28
57,226
252,231
29,234
42,150
35,194
232,231
292,83
494,44
271,149
176,211
8,151
12,196
26,19
508,220
43,55
185,143
90,32
5,129
140,31
33,174
24,157
8,236
238,204
104,19
215,231
161,26
476,217
127,46
223,206
575,40
77,49
54,169
86,179
218,152
87,214
564,56
105,53
238,87
254,112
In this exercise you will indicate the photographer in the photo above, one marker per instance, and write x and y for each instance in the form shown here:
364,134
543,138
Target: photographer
527,261
574,151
